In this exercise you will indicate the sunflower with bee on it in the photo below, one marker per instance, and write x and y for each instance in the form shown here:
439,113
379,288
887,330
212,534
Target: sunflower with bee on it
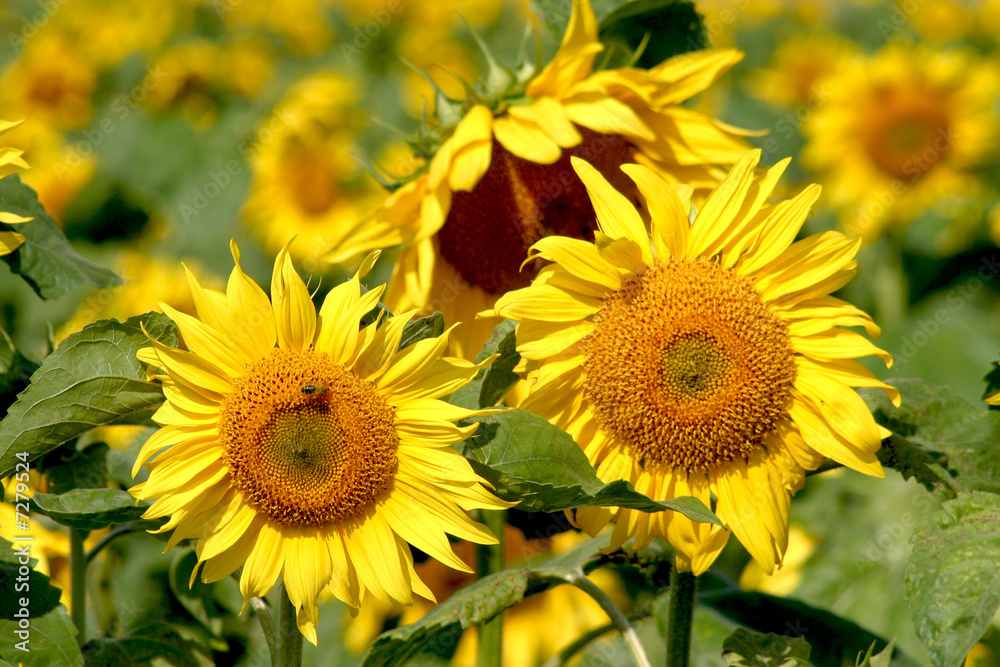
506,152
706,361
299,445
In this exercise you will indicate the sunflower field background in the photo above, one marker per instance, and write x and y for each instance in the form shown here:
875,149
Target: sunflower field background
323,323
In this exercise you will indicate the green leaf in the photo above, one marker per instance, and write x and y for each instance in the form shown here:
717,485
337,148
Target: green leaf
41,596
952,581
417,330
90,509
657,29
912,461
143,645
46,260
490,385
936,420
93,379
66,468
476,603
555,13
527,459
15,371
882,659
834,640
750,649
51,640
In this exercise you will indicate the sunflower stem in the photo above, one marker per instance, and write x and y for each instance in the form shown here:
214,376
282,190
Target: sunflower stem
615,614
260,608
78,583
683,587
289,637
489,559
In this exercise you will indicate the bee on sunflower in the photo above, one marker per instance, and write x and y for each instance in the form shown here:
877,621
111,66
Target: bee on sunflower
497,176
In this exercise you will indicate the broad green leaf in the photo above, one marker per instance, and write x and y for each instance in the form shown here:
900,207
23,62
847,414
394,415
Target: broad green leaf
952,580
66,468
882,659
750,649
833,640
46,260
15,371
199,600
657,29
928,467
936,420
527,459
425,327
476,603
33,587
51,640
90,509
142,646
93,379
490,385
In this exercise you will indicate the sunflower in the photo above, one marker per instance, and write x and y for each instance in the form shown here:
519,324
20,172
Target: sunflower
510,159
900,131
299,445
305,179
707,361
793,81
11,162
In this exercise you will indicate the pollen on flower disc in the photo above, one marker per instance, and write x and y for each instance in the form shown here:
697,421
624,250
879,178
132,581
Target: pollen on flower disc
686,367
488,231
313,456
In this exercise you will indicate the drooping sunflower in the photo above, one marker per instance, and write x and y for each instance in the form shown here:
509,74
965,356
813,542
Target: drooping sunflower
298,445
501,179
11,162
706,361
900,131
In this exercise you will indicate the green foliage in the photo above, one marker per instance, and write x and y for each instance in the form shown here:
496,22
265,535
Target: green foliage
882,659
935,420
490,386
15,371
426,327
832,639
52,641
93,379
749,649
142,646
528,459
653,30
46,260
42,596
952,581
90,509
473,604
66,468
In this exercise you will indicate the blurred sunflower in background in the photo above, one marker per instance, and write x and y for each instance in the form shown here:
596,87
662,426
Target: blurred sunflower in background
708,361
306,179
901,132
297,445
791,80
498,177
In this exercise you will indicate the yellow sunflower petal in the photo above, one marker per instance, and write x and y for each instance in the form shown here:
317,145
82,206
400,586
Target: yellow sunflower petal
294,313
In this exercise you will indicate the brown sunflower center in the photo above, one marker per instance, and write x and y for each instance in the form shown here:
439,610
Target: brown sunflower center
687,368
488,231
307,441
907,132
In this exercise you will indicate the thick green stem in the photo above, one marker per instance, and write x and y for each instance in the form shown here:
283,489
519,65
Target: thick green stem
78,583
289,637
489,559
617,617
263,613
683,587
